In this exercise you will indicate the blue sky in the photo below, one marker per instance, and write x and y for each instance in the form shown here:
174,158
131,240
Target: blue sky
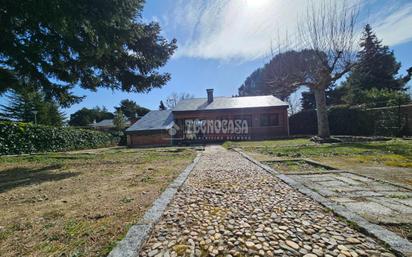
222,41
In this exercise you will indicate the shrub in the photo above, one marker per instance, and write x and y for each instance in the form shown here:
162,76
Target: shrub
303,123
346,120
374,98
18,138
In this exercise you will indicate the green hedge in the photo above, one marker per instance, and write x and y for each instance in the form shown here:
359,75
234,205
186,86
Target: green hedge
345,120
303,123
18,138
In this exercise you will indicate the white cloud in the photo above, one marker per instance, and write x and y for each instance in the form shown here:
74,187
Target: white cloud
246,29
396,27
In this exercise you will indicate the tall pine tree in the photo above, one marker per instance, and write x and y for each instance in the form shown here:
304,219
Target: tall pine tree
254,84
377,68
30,106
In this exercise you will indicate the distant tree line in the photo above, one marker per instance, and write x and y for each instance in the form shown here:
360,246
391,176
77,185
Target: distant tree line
32,106
127,109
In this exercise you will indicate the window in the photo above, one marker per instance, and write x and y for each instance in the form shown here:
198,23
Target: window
269,119
247,118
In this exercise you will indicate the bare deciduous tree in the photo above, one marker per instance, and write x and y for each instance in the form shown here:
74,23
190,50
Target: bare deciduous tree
329,30
174,98
294,103
326,40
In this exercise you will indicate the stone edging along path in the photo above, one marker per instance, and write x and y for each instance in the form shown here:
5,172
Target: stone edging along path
131,244
398,244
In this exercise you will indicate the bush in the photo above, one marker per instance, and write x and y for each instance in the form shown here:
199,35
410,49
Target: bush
18,138
303,123
374,98
346,120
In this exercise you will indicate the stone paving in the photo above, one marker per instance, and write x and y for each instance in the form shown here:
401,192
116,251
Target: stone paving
374,200
231,207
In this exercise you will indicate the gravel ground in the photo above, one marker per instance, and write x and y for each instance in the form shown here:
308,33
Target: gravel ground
231,207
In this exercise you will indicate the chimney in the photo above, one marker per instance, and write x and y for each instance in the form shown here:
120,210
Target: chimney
209,95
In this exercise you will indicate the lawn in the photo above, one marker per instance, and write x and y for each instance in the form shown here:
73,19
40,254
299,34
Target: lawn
295,166
80,203
390,160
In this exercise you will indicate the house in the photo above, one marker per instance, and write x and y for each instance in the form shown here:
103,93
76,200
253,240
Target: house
212,119
151,129
105,125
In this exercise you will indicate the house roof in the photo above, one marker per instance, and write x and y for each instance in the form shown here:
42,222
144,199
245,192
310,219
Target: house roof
197,104
154,120
107,123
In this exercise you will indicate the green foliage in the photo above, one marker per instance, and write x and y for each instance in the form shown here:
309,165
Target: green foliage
285,73
85,117
390,122
334,96
303,123
131,109
253,85
373,82
381,97
18,138
55,46
22,103
346,120
377,66
119,120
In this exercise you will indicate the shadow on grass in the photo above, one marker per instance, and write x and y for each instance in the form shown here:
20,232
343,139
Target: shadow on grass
20,177
62,157
75,157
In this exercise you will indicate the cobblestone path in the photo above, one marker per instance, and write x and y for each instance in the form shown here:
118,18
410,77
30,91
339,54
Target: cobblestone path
231,207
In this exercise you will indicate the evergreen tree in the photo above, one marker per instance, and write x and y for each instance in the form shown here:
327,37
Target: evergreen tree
253,85
56,45
374,97
377,68
334,96
30,106
85,117
119,120
131,109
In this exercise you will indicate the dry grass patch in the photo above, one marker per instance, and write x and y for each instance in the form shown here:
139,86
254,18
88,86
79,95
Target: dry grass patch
80,204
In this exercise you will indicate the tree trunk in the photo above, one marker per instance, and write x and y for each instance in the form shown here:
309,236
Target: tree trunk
321,112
